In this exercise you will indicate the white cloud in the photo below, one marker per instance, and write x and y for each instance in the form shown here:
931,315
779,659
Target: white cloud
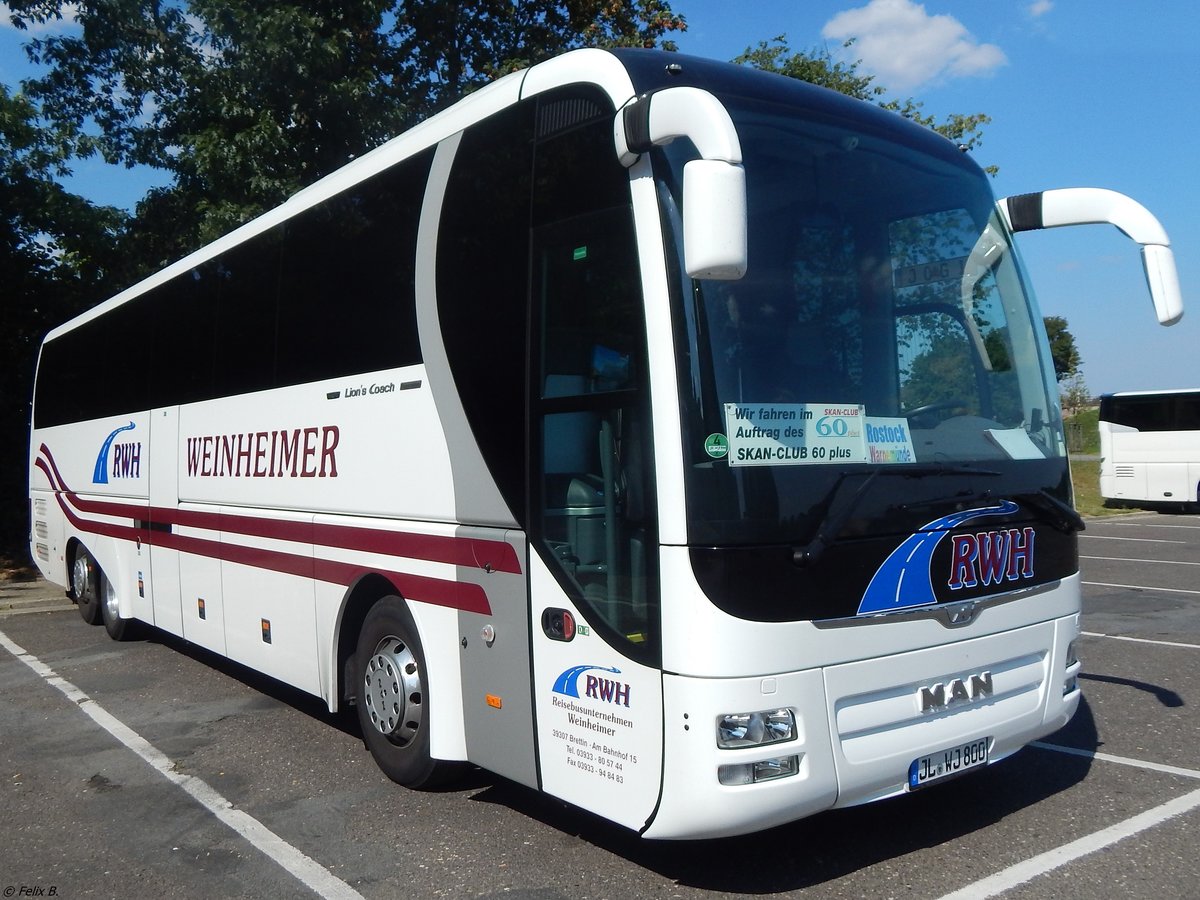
1039,8
905,47
70,18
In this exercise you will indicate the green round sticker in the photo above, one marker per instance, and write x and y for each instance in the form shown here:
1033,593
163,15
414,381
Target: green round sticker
717,446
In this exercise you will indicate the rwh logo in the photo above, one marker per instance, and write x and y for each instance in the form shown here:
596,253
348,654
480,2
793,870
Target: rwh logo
905,579
126,458
596,687
991,557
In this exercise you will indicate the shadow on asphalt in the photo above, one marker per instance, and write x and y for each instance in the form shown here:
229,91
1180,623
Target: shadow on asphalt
801,854
833,844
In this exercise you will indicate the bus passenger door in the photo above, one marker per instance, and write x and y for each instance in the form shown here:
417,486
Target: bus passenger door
592,522
164,497
497,703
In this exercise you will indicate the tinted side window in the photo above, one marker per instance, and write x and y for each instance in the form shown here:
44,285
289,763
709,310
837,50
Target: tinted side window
1142,413
247,279
184,314
99,369
346,300
61,381
328,293
482,277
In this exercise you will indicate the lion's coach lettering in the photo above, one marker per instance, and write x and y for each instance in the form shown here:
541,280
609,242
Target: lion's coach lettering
293,453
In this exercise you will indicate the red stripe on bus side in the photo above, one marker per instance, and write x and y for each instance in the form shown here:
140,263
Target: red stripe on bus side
436,591
471,553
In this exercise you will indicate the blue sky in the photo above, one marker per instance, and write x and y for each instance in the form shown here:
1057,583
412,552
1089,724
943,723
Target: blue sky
1100,93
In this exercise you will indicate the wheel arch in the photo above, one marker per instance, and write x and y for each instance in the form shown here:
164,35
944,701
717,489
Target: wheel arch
365,592
437,630
74,545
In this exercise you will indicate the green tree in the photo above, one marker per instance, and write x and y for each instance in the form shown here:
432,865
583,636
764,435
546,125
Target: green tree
817,66
53,245
1063,351
245,103
449,49
1075,394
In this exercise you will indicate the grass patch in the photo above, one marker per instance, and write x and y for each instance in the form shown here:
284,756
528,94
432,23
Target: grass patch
1083,440
1083,431
1085,478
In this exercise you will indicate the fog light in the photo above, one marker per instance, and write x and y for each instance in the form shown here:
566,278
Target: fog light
755,729
1072,653
761,770
1071,684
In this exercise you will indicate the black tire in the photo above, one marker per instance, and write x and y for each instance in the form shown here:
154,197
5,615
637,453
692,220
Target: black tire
85,586
118,629
390,697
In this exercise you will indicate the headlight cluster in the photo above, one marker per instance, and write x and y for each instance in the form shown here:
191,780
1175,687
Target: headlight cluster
736,731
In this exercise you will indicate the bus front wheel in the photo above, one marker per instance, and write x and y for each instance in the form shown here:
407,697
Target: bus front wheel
391,697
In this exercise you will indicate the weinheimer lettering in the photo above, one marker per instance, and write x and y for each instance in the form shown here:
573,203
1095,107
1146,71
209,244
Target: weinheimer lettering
287,453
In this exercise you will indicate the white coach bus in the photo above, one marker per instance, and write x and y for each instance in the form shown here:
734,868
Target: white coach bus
1150,447
673,438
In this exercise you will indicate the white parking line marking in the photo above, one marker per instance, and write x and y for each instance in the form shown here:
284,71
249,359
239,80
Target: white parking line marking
1157,562
1121,760
1014,876
1139,587
309,872
1147,525
1109,537
1133,640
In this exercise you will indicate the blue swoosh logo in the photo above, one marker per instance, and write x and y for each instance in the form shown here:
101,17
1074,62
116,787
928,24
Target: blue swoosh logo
903,581
568,682
100,473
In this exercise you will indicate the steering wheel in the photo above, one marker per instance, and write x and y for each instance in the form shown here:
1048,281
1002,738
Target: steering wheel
919,411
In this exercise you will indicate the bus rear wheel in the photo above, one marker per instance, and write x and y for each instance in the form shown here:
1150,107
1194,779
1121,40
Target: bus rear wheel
391,697
85,586
118,629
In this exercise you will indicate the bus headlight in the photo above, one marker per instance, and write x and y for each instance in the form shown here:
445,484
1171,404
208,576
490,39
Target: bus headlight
755,729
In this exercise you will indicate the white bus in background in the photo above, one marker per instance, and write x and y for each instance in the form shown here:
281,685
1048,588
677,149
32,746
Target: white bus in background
1150,447
673,438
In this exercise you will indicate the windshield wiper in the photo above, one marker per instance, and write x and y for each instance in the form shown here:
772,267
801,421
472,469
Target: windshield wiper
1061,515
813,550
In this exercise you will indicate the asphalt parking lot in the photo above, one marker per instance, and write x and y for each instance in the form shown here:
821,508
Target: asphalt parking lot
153,769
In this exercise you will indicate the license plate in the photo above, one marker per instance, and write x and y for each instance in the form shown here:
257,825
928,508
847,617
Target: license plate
936,766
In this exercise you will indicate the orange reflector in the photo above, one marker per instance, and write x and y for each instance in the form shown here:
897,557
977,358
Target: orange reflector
266,631
493,701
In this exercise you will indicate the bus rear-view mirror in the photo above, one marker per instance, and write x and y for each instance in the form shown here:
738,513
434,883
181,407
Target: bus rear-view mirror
1084,206
714,219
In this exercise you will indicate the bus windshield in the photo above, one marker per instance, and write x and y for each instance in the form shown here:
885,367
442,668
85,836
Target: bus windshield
883,321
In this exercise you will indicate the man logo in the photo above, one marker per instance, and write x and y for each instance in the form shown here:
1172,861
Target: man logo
936,697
